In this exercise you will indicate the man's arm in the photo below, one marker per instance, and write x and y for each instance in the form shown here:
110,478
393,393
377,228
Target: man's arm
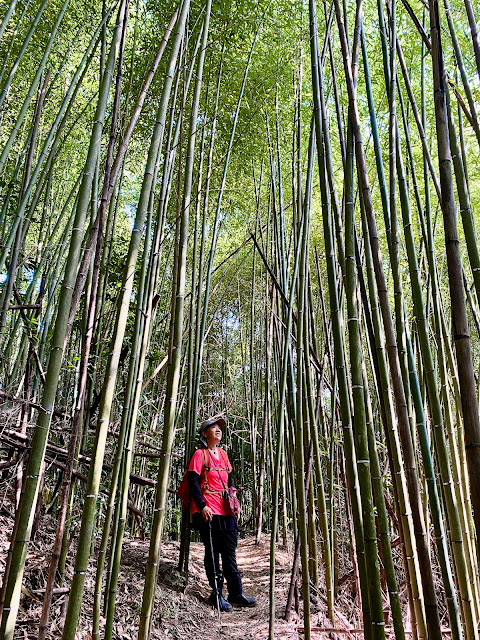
195,491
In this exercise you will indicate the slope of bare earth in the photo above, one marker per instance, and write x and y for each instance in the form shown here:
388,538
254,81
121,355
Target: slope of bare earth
179,613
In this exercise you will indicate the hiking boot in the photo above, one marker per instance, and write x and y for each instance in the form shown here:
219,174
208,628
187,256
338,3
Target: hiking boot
224,605
242,601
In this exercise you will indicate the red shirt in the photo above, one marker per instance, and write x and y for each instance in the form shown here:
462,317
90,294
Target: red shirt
211,480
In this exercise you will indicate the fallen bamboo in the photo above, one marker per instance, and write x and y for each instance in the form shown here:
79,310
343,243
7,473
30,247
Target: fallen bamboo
53,451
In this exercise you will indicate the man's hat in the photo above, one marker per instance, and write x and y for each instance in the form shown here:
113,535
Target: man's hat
220,420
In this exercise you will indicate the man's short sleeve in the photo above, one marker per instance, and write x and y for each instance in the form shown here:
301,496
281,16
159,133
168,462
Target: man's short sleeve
197,462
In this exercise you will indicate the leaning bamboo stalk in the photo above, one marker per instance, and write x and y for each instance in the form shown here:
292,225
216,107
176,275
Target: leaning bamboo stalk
153,268
359,409
12,585
301,425
173,377
394,449
135,371
462,504
7,84
93,295
112,175
462,70
280,440
215,230
474,31
466,211
420,418
127,444
7,16
13,37
184,554
37,78
26,175
86,530
52,136
382,517
418,121
440,443
371,591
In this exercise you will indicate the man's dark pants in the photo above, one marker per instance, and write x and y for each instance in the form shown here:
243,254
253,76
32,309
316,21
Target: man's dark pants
224,540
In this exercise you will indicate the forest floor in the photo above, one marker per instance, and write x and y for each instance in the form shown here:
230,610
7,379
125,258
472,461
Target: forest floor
178,615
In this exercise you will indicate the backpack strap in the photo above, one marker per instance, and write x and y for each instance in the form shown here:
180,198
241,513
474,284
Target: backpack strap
226,462
207,459
203,473
205,469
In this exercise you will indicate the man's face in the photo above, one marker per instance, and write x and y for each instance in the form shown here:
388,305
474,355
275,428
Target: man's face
215,430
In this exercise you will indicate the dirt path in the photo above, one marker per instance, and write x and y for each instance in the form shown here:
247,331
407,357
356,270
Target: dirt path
179,614
253,561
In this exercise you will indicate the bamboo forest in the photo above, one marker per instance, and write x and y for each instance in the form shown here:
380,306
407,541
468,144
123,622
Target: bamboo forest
254,221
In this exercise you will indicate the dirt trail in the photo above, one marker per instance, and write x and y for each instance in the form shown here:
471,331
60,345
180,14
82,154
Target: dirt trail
180,615
253,561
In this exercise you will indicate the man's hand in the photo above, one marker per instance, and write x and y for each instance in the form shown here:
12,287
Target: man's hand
207,513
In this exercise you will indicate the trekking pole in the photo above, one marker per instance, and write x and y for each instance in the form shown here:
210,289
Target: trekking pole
214,568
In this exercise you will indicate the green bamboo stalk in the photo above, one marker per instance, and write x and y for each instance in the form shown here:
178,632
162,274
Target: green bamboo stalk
215,230
301,422
474,31
93,297
420,418
12,585
339,353
18,25
439,438
26,175
52,136
466,211
86,530
182,257
128,419
382,516
7,84
462,70
127,443
461,333
394,450
35,81
321,499
7,16
431,605
371,591
282,392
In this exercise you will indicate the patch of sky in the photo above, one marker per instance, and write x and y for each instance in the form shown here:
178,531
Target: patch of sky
327,394
130,211
231,320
